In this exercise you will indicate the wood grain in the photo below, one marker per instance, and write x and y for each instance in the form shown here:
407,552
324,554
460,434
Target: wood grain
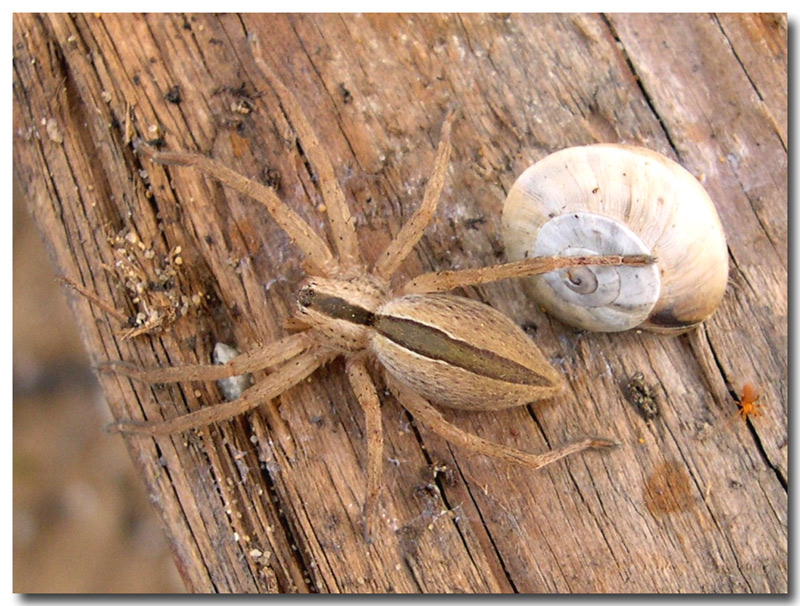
691,502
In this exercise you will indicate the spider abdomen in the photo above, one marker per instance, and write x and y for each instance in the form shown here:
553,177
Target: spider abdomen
460,353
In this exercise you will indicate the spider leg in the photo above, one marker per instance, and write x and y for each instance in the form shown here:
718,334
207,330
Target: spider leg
439,281
398,249
338,211
433,420
318,256
367,396
271,355
287,376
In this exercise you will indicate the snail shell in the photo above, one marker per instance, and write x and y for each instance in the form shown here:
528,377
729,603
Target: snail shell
616,199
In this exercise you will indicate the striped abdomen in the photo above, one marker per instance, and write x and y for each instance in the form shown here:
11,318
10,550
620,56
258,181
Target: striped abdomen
460,353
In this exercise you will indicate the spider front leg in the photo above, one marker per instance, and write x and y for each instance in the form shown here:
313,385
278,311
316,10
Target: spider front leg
367,396
398,249
318,256
285,377
341,222
431,418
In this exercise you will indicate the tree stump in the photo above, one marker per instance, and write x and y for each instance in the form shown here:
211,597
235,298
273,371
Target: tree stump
692,501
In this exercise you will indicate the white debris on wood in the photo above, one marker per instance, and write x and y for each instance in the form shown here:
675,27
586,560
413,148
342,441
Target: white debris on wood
232,387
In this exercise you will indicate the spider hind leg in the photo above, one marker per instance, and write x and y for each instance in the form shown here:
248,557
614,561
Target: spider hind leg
435,421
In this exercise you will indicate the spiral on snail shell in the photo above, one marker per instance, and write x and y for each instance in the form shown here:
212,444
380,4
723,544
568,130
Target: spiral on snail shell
616,199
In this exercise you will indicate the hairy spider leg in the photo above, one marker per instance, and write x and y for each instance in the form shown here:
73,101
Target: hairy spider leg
318,256
337,209
431,418
397,250
285,377
439,281
273,354
367,396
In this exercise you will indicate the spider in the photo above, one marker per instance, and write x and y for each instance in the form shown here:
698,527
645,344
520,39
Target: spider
431,347
747,403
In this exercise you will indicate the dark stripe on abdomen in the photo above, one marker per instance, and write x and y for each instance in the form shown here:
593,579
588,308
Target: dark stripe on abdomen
437,345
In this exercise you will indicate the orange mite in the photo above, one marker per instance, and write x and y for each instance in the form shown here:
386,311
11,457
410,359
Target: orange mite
748,406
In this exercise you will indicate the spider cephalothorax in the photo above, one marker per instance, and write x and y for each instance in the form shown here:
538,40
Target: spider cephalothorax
437,347
342,310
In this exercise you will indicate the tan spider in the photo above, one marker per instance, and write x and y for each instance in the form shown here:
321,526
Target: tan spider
431,347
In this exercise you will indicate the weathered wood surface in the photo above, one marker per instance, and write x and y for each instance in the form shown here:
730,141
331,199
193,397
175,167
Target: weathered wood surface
690,502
